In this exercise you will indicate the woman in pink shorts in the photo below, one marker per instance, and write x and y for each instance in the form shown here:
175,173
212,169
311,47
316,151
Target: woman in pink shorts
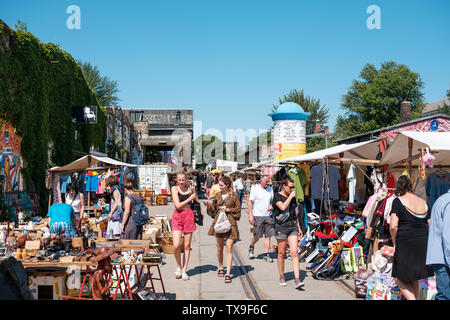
183,222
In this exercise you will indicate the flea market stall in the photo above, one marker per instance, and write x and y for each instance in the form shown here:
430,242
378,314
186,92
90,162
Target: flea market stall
62,267
333,186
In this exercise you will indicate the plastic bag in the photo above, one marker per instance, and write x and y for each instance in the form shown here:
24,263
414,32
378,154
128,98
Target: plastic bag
223,225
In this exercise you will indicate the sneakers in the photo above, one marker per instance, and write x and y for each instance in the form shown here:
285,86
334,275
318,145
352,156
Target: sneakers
282,281
267,258
251,252
298,284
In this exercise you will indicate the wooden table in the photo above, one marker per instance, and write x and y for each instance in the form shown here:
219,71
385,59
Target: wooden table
120,270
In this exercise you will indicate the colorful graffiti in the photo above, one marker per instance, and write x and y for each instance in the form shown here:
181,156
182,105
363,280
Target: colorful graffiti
10,157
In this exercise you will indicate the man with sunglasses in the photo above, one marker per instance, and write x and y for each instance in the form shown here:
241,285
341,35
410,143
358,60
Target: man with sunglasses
287,228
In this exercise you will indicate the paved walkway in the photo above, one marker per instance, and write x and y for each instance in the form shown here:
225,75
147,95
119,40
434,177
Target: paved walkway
204,284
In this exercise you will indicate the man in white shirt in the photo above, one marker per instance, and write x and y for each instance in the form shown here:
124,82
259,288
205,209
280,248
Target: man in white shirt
259,206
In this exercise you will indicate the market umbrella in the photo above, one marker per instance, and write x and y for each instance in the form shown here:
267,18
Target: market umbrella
216,171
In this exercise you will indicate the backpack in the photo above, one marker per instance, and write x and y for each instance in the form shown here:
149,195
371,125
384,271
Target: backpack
140,213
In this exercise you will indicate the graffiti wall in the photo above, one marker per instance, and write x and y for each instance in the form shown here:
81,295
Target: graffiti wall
10,157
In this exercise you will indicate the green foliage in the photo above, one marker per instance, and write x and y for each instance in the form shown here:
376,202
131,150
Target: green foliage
115,148
21,25
206,145
39,84
374,101
308,104
319,143
105,89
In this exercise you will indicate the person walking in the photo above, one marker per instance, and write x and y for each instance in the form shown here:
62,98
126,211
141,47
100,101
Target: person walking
239,188
76,200
287,228
259,210
438,249
183,222
215,186
208,184
116,209
409,231
228,201
129,229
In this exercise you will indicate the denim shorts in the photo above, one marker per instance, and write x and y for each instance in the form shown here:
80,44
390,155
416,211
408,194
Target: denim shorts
283,233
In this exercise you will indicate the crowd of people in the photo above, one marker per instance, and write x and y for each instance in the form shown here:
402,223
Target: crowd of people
421,235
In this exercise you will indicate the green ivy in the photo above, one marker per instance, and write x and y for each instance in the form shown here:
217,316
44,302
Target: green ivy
36,97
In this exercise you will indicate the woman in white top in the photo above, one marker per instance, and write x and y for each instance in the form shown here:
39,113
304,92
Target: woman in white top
76,200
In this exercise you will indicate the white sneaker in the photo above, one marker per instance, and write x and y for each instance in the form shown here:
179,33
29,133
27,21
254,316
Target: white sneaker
299,284
282,281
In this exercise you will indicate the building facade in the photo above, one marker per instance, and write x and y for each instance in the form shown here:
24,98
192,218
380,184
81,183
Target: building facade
161,135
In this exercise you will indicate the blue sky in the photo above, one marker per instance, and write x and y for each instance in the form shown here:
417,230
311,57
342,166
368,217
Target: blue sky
231,60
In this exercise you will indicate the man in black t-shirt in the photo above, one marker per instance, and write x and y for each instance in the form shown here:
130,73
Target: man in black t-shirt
287,228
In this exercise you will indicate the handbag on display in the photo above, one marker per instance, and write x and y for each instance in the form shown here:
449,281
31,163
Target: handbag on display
222,225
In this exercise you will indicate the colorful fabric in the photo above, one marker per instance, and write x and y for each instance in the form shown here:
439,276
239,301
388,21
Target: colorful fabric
56,189
298,175
64,181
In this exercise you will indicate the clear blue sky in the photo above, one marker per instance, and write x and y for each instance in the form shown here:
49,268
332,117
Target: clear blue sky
231,60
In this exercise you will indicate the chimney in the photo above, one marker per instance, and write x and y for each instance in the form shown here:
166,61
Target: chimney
326,131
317,127
405,111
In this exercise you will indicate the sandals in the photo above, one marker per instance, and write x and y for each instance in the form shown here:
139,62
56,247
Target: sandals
178,273
227,279
221,272
185,276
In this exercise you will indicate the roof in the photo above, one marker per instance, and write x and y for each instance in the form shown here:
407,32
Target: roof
436,141
431,107
289,111
87,161
401,124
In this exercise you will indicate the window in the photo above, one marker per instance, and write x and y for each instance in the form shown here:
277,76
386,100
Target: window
178,117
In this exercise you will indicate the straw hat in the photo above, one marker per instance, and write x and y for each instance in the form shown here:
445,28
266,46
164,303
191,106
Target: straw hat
102,254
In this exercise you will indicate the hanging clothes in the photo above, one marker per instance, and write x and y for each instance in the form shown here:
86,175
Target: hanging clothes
91,181
56,184
65,179
351,178
306,168
316,176
298,175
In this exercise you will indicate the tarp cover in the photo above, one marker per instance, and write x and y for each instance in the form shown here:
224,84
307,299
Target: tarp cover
366,150
83,163
435,141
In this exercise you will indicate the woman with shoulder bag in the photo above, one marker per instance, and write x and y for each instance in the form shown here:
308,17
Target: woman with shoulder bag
287,228
183,222
129,229
76,200
226,201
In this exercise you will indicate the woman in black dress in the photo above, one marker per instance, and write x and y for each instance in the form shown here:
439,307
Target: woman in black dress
409,231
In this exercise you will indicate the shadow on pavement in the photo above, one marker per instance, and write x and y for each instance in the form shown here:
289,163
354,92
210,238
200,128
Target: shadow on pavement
202,269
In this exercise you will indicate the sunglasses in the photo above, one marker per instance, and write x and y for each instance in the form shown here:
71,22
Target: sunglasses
293,187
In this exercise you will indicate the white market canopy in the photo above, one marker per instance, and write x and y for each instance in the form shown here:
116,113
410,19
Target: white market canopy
88,161
360,152
435,141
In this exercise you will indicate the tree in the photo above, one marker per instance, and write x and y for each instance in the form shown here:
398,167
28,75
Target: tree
115,148
445,108
21,25
204,148
105,89
308,104
374,101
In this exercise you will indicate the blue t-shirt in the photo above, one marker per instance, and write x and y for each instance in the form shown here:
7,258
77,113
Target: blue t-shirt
61,212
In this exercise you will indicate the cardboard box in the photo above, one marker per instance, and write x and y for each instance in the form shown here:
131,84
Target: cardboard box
151,233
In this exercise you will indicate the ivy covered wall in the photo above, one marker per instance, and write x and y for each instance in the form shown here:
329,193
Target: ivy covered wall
39,84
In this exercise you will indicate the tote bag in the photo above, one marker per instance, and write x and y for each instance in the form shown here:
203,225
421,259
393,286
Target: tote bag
223,225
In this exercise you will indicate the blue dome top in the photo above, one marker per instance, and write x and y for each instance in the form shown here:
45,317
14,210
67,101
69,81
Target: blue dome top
289,111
